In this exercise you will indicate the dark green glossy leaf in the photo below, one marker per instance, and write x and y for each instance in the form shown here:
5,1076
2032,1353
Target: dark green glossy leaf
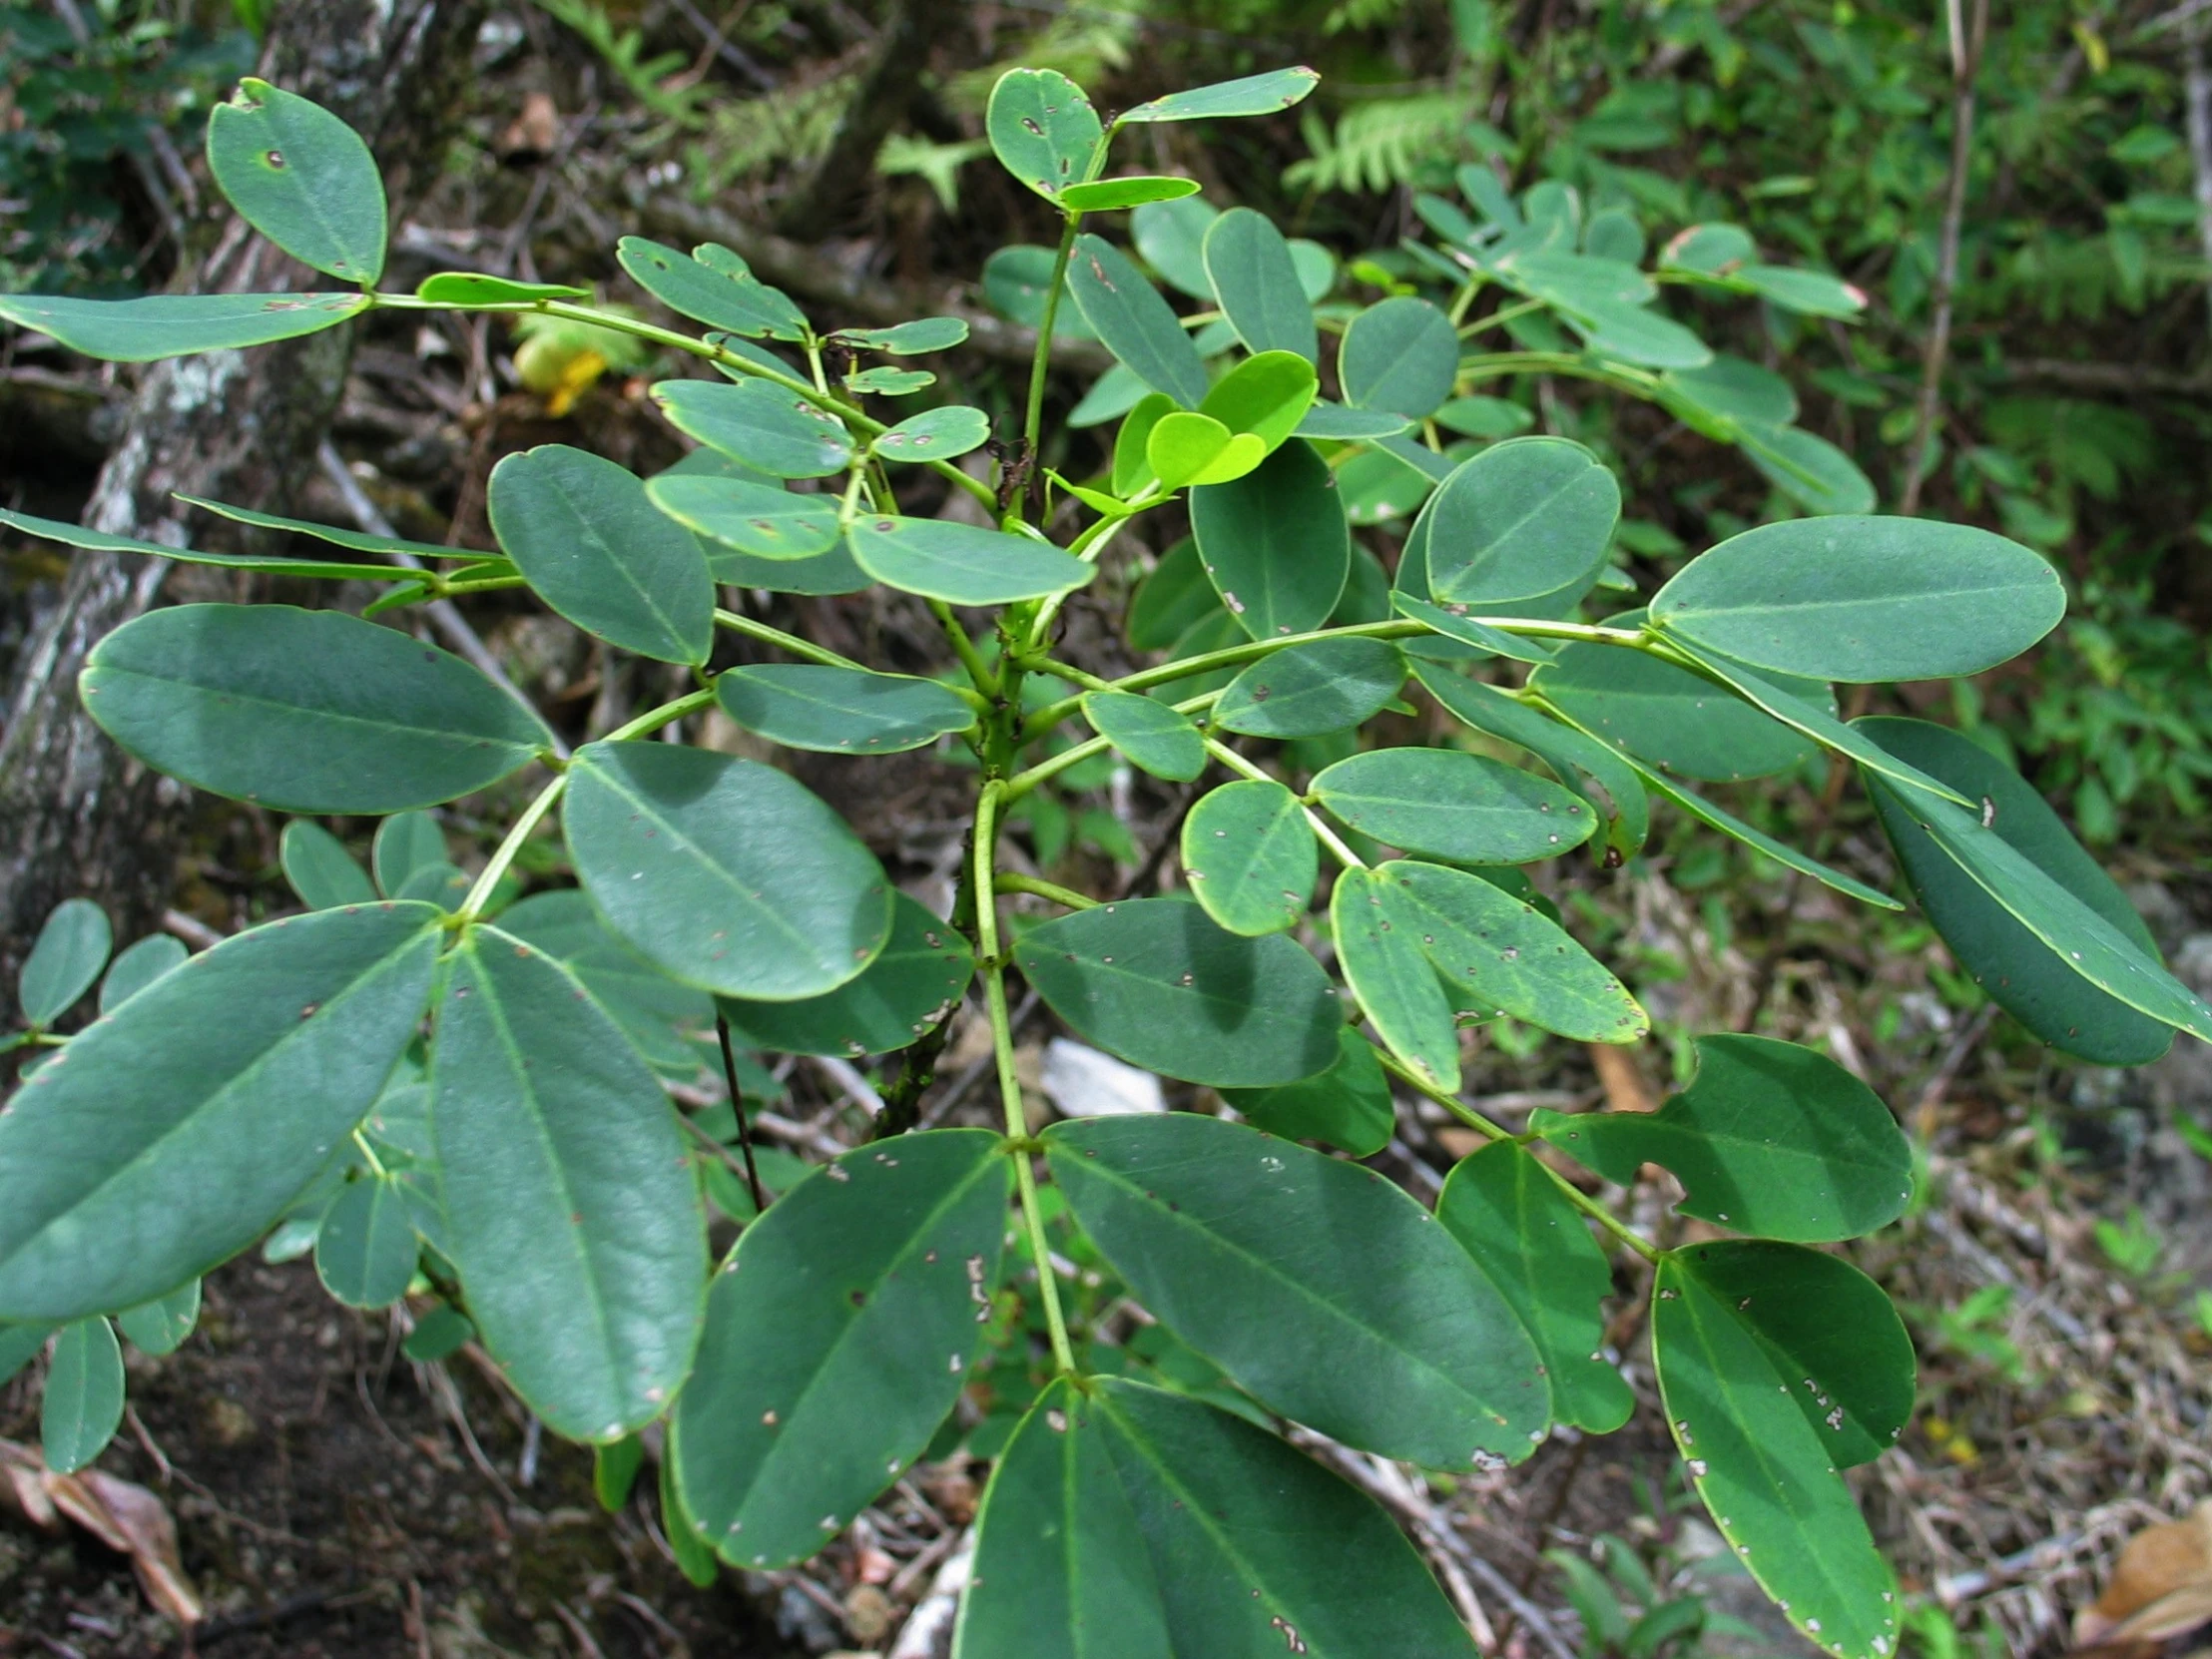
663,1020
301,176
1589,768
303,710
1349,1105
1521,519
139,967
1158,982
178,325
1305,690
1250,268
1382,956
1153,736
162,1325
1507,1212
766,426
1250,856
1401,356
839,711
1042,129
366,1253
1263,94
1127,313
875,1277
711,285
1770,1138
761,520
468,287
1275,543
961,564
915,981
1454,805
1863,599
1672,717
1260,1254
727,873
936,434
247,1065
1112,194
83,1403
572,1219
66,958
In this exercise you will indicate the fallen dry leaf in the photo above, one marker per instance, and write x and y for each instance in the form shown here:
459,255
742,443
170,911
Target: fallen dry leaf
1625,1087
2160,1587
125,1516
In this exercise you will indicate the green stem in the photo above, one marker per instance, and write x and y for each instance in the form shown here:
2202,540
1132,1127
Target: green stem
1066,897
1314,821
376,1164
1503,315
1033,417
1629,381
480,893
964,647
1089,546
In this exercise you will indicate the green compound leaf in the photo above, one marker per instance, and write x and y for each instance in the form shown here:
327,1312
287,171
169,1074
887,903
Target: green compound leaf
1250,856
662,1018
573,1219
1127,313
303,710
1449,805
761,520
178,325
725,873
839,711
1265,94
406,844
247,1066
1381,952
936,434
161,1326
1508,1213
138,967
83,1403
1769,1139
908,339
711,285
1275,543
1042,129
1498,954
1153,737
1521,519
1265,395
961,564
66,958
1262,1254
766,426
366,1253
1809,469
301,176
1400,356
1255,278
1157,982
1349,1105
1762,1468
2033,983
914,983
1302,691
466,288
874,1277
76,535
1672,717
1863,600
586,537
1111,195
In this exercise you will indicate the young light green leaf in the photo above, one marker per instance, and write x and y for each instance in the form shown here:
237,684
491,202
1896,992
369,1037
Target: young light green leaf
139,967
664,1020
1863,599
178,325
1672,717
961,564
1110,194
1260,1254
1305,690
1382,960
1157,982
936,434
1276,543
301,176
839,711
1154,737
574,1222
1349,1105
247,1066
1183,447
1521,519
1251,857
303,710
162,1325
1127,313
727,873
1265,94
82,1405
1499,954
764,521
1508,1213
1455,806
766,426
468,288
67,957
711,285
914,982
1256,279
1265,395
1042,129
1399,355
366,1253
1769,1139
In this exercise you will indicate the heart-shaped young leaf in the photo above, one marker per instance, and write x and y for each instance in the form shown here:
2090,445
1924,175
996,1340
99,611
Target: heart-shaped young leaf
247,1065
138,967
936,434
1016,281
1384,961
711,285
1256,279
1127,313
1265,395
83,1403
1770,1138
961,564
1260,1254
2023,974
1809,469
365,1252
766,426
301,176
469,290
178,325
664,1020
729,875
1182,447
1153,737
1159,983
67,957
914,982
1349,1105
1499,954
1863,600
1305,690
1276,543
874,1277
1518,520
763,521
1466,807
908,339
405,844
587,538
839,711
303,710
161,1326
1763,1469
1672,717
1401,356
1507,1212
1132,443
1250,856
1042,129
1110,194
1265,94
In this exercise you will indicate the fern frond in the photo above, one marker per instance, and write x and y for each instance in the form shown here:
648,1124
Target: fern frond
1380,146
793,124
1086,45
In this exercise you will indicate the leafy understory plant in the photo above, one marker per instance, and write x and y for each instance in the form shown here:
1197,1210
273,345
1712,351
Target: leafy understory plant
437,1085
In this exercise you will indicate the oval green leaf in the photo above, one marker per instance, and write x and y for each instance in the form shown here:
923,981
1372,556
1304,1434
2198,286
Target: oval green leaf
1134,191
1275,543
1265,395
1521,519
1250,856
469,289
961,564
82,1405
766,426
178,325
1015,281
139,967
161,1326
1401,356
405,843
936,434
366,1253
1127,313
1383,959
320,869
1263,94
711,285
839,711
1305,690
761,520
66,958
1348,1106
1809,469
1671,717
1454,805
1154,737
664,1020
1255,278
301,176
1042,129
915,981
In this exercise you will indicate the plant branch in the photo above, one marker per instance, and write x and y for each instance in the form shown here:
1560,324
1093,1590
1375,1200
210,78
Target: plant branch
1314,821
1066,897
737,1108
1033,416
480,893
